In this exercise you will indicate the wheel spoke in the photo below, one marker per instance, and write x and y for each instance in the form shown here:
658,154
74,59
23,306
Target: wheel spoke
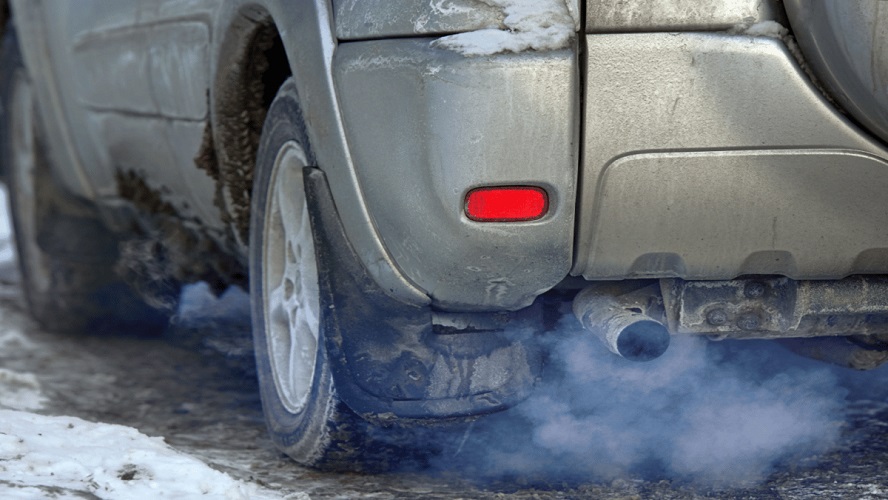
291,203
290,275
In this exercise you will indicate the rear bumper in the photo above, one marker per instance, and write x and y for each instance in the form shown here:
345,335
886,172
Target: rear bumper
705,156
709,156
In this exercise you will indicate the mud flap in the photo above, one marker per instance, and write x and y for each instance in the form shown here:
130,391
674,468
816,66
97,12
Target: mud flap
386,359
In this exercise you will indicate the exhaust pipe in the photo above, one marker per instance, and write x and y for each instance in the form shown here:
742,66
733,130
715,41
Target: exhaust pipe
622,322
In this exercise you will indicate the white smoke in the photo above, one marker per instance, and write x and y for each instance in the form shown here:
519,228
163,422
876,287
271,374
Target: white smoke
711,414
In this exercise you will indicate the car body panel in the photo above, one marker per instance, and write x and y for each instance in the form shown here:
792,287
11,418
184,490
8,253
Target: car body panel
310,47
718,101
128,104
428,125
374,19
369,19
622,16
36,47
724,219
92,153
164,121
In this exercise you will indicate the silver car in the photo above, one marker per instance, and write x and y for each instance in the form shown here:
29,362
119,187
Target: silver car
411,190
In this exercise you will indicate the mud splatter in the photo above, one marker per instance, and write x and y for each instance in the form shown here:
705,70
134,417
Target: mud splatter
259,67
206,158
166,250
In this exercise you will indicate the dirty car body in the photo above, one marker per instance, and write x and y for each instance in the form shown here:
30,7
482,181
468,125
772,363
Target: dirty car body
700,167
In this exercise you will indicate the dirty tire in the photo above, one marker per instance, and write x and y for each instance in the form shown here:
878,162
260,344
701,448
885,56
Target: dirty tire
65,254
305,416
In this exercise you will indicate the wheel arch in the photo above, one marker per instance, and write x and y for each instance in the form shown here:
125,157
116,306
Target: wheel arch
307,49
252,64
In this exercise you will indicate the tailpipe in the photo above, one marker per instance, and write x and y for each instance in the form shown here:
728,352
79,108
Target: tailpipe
624,322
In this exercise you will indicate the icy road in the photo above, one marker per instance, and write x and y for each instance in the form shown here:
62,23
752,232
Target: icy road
179,416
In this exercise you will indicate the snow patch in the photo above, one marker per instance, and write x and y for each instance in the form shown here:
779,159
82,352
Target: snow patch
20,391
539,25
446,8
771,29
13,338
49,454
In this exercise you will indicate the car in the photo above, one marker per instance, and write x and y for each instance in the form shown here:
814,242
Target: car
413,191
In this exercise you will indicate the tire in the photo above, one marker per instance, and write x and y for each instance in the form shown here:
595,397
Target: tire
305,416
66,256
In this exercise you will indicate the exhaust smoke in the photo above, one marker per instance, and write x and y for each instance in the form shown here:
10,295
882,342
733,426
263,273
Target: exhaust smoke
715,414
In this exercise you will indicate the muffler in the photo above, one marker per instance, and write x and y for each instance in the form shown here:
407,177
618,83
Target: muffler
625,322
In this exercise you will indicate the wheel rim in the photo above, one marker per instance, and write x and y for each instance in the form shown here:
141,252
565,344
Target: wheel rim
23,147
290,281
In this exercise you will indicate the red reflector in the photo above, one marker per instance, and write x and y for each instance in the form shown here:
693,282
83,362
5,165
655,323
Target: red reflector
506,204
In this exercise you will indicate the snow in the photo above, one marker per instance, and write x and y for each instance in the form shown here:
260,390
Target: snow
68,454
20,391
771,29
444,8
42,456
539,25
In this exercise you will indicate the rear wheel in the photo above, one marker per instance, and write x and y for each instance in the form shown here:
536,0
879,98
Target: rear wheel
305,417
65,254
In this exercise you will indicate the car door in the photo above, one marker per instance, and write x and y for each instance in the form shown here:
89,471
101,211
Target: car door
133,76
